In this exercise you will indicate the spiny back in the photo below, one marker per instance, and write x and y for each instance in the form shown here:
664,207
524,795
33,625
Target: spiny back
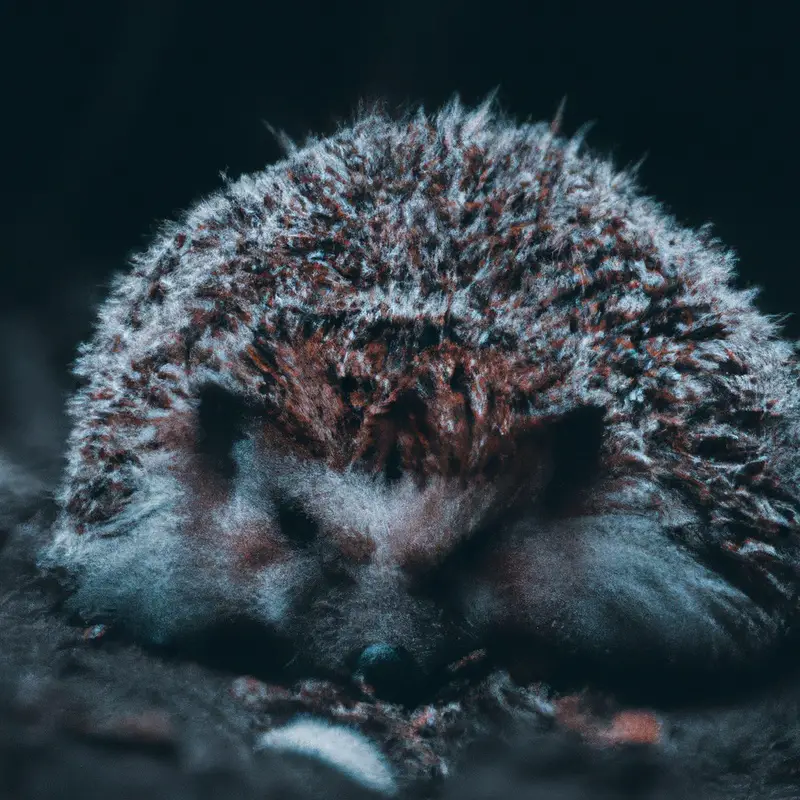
428,290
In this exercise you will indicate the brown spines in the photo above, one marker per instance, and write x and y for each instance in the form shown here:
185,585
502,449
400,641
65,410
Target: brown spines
421,294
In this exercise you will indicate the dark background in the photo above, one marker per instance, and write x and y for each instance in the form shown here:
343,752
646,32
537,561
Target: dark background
119,114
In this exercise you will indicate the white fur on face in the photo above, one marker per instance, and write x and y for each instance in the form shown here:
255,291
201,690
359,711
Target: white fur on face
608,585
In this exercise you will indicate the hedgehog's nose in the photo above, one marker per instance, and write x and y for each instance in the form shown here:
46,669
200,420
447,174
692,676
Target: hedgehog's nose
390,671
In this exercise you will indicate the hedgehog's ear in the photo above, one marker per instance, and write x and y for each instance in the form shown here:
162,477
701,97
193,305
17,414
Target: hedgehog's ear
576,445
222,420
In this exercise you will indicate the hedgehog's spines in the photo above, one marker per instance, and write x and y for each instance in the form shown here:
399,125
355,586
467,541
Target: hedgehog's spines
538,269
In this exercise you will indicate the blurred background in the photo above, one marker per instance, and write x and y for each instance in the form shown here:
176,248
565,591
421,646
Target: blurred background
116,115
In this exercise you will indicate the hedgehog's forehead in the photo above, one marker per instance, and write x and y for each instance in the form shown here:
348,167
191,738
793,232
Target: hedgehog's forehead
411,517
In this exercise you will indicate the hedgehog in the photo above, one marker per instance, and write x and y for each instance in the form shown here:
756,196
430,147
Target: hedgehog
429,387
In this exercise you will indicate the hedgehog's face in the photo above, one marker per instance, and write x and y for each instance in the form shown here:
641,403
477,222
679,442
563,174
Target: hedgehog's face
388,578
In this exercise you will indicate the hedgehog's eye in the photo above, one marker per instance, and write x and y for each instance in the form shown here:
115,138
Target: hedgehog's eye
221,422
296,523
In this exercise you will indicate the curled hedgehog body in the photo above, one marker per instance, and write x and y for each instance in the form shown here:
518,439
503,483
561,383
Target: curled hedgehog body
428,387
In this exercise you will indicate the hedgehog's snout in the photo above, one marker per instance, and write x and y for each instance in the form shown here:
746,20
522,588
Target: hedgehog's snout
390,671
